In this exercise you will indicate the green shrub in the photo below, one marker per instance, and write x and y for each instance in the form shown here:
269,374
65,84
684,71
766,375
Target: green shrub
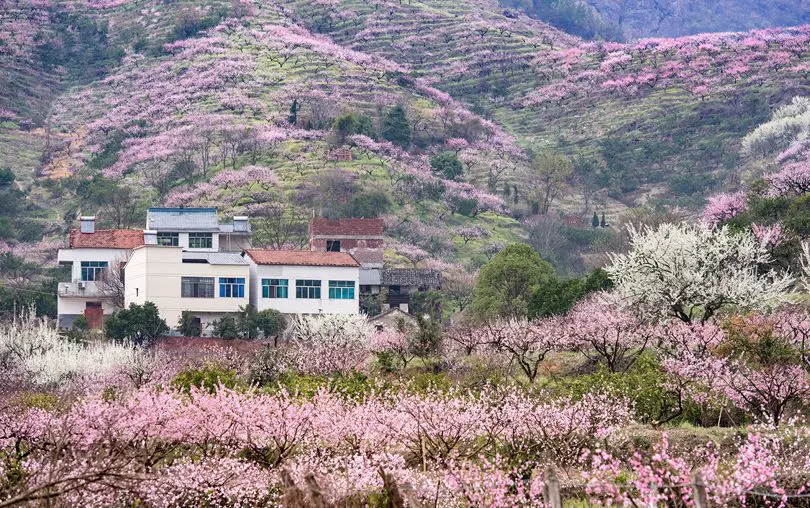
447,165
209,378
140,324
644,384
226,328
188,324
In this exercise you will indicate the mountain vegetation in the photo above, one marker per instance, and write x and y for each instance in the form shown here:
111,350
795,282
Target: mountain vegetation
465,125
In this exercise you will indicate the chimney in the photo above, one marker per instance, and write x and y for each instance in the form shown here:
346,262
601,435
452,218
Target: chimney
240,224
87,223
149,237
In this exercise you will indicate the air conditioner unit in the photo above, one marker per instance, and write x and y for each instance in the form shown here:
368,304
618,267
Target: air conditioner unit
82,284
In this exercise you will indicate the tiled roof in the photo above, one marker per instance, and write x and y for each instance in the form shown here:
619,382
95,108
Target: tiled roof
301,258
216,258
182,219
368,256
412,277
106,239
346,227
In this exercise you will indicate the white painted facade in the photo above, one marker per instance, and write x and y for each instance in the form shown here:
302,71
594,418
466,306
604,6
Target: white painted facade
154,274
291,273
74,295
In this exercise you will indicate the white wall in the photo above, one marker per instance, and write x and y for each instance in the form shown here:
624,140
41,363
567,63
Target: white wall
183,239
293,305
154,273
76,256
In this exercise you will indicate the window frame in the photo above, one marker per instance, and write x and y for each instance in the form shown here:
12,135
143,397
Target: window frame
306,291
331,244
198,237
197,282
280,286
96,268
342,289
174,239
231,287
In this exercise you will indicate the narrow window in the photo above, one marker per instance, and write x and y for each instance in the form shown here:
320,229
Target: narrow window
231,287
308,289
197,287
93,270
274,288
168,239
200,241
341,290
333,246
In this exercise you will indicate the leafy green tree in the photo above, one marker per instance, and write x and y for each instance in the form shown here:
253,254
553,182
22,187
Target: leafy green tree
350,124
447,165
140,324
226,327
251,323
370,204
188,324
6,177
506,283
396,127
556,297
798,216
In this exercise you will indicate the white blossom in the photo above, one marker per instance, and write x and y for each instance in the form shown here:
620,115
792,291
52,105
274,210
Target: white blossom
686,272
33,348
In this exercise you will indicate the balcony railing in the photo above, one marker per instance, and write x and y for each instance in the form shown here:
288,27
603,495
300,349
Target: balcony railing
80,288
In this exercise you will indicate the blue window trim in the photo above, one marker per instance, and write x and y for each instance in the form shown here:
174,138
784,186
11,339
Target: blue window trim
341,289
231,287
308,289
280,288
92,270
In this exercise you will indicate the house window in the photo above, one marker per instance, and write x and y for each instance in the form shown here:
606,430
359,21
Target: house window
274,288
197,287
93,270
308,289
341,290
200,241
333,246
231,287
168,239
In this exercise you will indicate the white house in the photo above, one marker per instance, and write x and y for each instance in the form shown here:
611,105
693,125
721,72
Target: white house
93,254
304,282
96,255
208,284
198,229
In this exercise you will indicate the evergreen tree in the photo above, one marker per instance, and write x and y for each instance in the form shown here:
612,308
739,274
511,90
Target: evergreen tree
603,223
396,128
595,220
293,118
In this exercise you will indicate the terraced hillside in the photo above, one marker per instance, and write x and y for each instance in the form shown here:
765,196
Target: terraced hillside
660,117
432,114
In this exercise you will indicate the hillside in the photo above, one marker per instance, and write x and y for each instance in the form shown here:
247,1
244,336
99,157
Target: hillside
442,117
675,18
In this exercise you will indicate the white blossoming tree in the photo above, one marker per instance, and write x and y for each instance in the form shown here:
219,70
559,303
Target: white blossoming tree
690,272
32,350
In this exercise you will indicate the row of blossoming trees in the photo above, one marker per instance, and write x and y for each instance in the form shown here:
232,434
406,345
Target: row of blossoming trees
703,303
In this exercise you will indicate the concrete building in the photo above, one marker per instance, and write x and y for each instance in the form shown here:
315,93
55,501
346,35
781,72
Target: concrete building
98,257
362,238
198,229
207,284
93,256
304,282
